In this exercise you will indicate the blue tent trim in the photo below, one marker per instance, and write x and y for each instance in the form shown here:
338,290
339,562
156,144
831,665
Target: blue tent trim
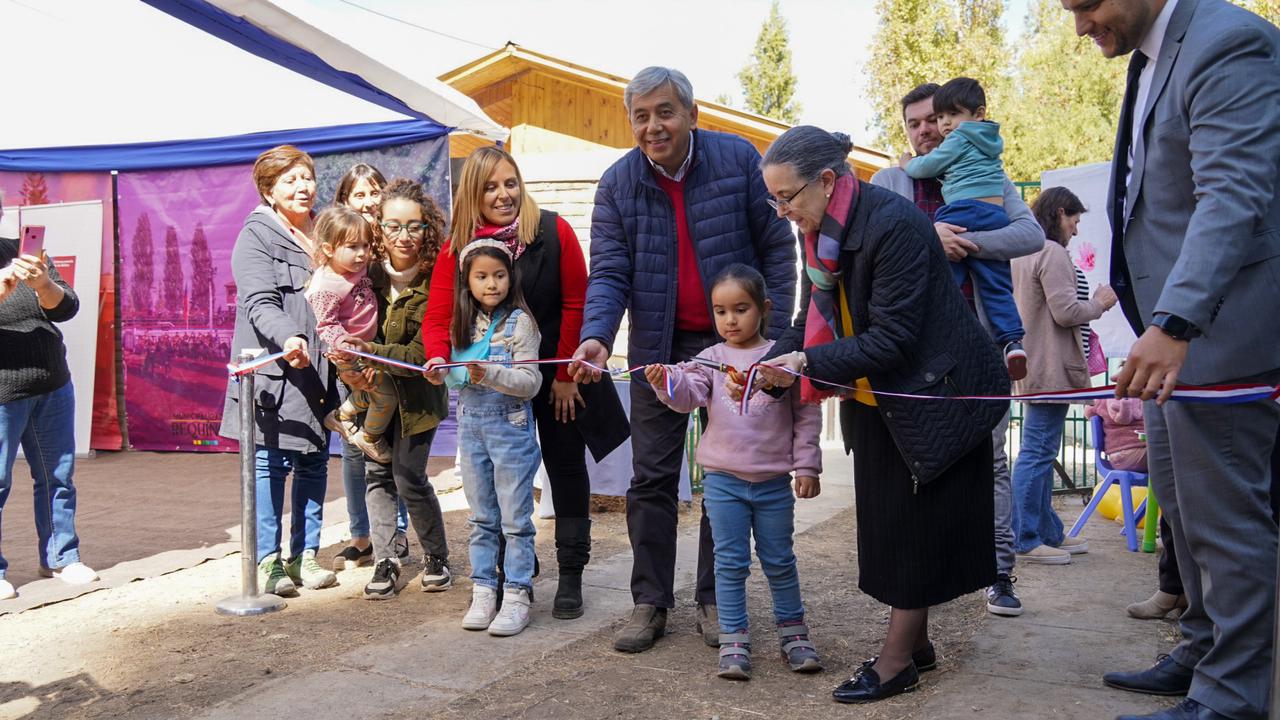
251,38
231,150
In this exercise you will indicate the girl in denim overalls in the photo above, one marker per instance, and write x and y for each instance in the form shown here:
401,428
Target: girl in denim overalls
491,327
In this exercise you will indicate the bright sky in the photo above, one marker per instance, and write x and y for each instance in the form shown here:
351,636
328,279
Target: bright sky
709,40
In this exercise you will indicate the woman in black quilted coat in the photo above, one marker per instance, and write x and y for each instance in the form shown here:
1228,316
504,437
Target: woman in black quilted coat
879,310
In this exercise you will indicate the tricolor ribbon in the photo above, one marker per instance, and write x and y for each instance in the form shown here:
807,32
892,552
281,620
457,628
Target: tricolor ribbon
1212,394
238,370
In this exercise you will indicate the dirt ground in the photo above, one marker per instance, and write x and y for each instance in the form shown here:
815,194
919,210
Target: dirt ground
156,649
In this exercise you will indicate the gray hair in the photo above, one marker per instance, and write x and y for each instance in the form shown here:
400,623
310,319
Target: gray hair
810,150
654,77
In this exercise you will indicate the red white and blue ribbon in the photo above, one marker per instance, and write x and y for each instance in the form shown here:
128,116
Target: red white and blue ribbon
1213,394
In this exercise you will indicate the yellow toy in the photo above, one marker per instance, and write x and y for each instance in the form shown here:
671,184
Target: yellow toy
1109,506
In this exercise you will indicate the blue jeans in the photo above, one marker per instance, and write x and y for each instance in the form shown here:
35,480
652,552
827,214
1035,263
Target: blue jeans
737,510
1034,521
310,476
353,483
44,425
992,279
499,460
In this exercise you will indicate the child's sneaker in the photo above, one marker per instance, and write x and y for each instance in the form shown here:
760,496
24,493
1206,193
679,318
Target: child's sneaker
305,571
484,606
77,573
797,650
735,656
1015,358
514,615
335,422
272,578
7,591
386,581
435,574
374,446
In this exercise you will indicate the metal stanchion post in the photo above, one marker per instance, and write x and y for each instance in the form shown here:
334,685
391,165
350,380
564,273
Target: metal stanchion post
248,602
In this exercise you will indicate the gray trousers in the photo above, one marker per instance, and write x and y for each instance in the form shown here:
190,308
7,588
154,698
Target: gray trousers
1005,555
405,477
1211,468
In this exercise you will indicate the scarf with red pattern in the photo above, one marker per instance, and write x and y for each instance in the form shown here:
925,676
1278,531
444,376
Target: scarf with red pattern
822,266
509,235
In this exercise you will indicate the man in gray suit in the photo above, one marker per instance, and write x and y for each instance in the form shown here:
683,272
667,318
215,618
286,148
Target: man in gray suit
1195,211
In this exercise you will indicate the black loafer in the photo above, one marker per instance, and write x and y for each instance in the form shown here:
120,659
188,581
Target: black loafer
865,686
1166,677
925,659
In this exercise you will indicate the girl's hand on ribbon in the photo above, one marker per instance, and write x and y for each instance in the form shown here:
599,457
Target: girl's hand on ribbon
733,386
656,374
771,370
296,352
475,373
807,486
355,379
565,398
435,377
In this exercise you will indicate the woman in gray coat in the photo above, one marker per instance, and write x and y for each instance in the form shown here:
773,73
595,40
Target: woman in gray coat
271,264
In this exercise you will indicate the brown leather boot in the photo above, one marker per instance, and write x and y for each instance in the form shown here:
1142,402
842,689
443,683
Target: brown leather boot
647,624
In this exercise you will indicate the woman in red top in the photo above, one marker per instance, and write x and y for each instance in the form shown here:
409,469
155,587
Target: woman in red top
492,202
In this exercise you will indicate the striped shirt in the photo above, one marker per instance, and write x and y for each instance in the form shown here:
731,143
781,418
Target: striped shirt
1082,292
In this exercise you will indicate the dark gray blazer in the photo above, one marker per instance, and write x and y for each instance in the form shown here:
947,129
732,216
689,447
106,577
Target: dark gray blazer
271,272
1202,217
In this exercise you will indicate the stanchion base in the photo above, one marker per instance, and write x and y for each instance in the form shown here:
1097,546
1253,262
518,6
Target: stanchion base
243,605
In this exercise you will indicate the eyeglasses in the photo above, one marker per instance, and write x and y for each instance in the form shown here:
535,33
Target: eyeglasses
392,229
783,203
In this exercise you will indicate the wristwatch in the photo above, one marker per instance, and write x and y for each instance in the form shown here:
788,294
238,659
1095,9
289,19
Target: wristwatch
1178,328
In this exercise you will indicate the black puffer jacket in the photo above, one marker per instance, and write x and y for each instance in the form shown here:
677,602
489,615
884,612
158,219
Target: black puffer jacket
914,334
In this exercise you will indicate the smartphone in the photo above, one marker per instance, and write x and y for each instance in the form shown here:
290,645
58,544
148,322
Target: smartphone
32,242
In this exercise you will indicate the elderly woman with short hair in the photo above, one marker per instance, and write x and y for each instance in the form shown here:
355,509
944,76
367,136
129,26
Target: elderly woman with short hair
271,264
880,312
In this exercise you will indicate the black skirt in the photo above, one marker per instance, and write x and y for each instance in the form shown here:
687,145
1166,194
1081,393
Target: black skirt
925,546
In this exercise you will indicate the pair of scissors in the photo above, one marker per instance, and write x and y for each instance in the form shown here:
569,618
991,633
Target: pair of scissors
725,368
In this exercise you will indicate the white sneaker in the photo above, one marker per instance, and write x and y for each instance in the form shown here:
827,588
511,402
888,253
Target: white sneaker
1045,555
7,591
484,605
77,573
514,615
1074,545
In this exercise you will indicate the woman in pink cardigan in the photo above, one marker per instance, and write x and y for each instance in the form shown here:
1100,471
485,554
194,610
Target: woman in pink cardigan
1044,287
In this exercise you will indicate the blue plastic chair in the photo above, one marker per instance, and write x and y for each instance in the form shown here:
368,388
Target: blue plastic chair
1127,479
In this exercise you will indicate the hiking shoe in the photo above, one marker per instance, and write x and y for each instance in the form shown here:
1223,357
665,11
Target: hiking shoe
385,582
514,615
352,557
647,624
375,447
484,606
797,650
435,574
272,578
336,423
1015,359
708,623
1074,545
7,591
735,656
305,571
77,573
1045,555
1001,599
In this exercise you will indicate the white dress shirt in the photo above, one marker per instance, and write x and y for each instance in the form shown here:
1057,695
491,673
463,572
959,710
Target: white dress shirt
1150,46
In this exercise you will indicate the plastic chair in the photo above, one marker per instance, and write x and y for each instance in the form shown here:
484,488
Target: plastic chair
1126,479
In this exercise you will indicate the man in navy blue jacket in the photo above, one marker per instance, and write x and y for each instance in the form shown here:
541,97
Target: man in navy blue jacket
669,216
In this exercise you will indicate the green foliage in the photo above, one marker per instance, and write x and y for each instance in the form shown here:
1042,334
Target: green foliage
921,41
768,85
1067,103
1269,9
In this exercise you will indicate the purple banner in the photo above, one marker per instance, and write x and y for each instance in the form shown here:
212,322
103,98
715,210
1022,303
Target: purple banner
177,230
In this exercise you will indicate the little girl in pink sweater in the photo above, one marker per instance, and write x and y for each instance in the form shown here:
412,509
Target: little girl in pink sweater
342,298
749,460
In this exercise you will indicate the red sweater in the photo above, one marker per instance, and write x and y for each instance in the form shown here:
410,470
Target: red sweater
573,292
691,298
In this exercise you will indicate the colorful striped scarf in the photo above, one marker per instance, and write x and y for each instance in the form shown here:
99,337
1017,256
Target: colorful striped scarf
822,265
